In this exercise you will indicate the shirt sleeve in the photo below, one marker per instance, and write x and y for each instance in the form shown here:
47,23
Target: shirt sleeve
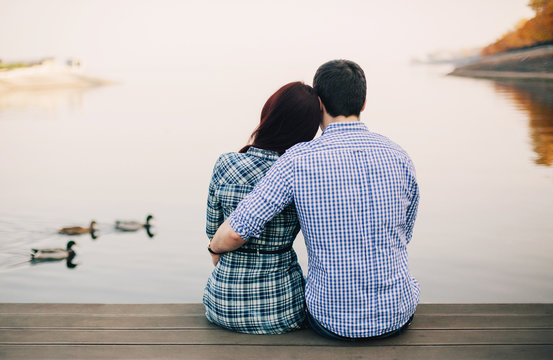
269,197
413,197
214,215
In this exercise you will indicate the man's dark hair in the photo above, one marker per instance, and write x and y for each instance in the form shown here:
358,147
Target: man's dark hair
342,87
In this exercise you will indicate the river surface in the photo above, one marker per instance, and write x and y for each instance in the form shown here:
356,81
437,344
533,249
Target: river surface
483,151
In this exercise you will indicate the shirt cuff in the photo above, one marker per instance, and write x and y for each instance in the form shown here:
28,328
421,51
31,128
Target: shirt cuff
245,225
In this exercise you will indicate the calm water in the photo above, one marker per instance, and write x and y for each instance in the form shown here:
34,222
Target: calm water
483,152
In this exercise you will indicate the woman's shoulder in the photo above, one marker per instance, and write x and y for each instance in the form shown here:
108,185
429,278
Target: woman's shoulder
234,166
230,156
228,165
228,160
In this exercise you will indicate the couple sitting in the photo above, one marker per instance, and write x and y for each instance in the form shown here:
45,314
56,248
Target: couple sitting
352,192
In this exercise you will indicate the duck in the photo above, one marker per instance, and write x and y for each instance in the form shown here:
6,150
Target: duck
133,225
77,230
54,254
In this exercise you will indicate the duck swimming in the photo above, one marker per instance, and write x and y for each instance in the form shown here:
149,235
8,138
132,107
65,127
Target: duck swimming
54,254
77,230
133,225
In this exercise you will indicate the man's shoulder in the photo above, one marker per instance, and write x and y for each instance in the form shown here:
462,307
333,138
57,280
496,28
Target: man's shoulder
370,141
387,150
300,149
386,143
314,146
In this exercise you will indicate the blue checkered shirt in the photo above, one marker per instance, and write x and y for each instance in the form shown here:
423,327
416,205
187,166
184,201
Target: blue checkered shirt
356,196
250,292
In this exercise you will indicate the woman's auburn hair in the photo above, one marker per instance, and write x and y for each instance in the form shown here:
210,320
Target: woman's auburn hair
290,116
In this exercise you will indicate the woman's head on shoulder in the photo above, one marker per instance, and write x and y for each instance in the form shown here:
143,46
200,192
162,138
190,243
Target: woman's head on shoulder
290,116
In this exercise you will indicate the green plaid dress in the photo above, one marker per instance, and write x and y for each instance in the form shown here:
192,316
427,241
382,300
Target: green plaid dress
249,292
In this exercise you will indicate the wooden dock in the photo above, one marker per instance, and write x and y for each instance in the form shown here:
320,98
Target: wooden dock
166,331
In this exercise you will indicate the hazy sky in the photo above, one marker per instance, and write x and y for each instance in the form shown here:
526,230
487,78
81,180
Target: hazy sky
152,34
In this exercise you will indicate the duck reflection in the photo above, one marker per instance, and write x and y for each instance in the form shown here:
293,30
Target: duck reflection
536,99
68,262
149,231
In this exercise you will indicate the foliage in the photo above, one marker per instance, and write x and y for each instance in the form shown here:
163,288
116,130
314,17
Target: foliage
538,5
9,66
531,32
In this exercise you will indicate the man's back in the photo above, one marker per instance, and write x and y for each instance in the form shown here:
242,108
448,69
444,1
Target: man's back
356,196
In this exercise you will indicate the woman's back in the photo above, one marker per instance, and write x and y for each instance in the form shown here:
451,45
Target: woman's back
260,293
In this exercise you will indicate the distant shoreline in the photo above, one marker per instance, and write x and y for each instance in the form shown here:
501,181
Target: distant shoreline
52,82
47,76
534,63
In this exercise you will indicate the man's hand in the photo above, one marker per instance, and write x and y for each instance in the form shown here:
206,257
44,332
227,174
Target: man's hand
215,259
226,239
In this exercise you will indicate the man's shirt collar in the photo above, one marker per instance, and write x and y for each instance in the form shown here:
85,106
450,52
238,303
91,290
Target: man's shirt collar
336,127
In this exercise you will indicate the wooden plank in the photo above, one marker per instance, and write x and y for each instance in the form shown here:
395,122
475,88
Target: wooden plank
302,337
437,322
485,309
504,352
87,321
197,309
114,309
104,321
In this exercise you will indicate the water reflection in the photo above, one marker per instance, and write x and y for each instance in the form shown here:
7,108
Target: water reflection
149,231
536,99
44,100
68,261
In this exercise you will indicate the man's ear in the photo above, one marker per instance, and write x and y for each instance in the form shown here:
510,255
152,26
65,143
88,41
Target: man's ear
364,103
322,106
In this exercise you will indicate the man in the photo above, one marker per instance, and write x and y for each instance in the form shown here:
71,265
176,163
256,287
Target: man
356,196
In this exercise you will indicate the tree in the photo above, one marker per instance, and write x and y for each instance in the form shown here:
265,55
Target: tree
538,5
538,30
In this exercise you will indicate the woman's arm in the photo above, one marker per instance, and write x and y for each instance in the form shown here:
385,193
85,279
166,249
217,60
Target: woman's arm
214,214
270,196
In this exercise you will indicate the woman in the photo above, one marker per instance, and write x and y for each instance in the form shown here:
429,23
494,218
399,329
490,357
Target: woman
259,288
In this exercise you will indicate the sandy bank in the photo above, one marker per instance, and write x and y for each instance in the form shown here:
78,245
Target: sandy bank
46,79
535,63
